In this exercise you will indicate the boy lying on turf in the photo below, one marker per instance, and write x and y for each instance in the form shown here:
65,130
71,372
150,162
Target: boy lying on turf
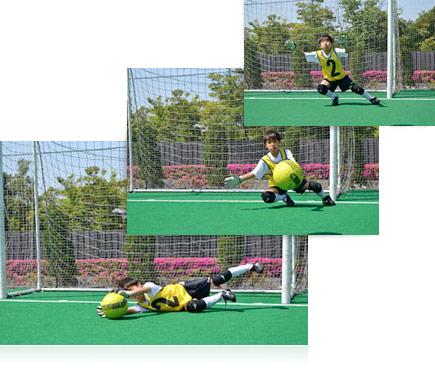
191,296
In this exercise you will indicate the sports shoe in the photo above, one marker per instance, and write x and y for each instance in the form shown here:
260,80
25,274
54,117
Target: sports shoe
257,268
288,201
375,100
328,201
228,295
335,101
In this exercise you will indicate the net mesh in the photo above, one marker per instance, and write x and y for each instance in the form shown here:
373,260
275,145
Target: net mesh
194,139
364,24
83,241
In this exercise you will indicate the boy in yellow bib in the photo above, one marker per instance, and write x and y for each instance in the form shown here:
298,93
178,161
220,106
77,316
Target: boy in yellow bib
333,73
191,296
266,165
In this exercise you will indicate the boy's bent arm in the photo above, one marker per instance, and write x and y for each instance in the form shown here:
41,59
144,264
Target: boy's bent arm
134,292
249,175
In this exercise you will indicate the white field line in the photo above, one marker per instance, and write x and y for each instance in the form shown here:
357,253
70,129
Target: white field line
98,302
248,201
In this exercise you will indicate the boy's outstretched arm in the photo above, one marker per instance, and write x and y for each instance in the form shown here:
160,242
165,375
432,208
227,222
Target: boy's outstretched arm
233,180
291,45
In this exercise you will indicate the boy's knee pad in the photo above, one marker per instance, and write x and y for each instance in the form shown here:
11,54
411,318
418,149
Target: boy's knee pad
314,186
268,197
221,277
322,89
196,306
356,89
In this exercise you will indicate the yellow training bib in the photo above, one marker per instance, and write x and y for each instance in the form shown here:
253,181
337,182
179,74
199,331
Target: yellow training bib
331,67
272,165
169,298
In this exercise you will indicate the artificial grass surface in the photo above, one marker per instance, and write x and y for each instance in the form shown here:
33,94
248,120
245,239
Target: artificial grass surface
41,319
312,109
186,213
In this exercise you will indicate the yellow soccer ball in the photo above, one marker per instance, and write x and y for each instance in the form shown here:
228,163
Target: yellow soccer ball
288,174
114,306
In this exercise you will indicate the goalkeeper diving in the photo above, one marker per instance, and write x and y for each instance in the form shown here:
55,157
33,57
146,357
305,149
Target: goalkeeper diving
191,296
328,57
266,166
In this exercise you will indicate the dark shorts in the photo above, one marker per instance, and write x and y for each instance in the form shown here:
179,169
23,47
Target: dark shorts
344,83
298,189
198,288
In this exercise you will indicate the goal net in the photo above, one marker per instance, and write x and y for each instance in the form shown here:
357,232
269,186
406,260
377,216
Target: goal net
187,133
71,234
365,26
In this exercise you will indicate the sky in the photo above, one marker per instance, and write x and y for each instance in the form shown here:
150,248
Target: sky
153,82
410,9
61,159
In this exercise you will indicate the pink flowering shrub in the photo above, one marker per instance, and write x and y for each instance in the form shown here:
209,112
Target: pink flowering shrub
193,176
375,76
104,272
107,272
279,80
425,77
185,176
316,171
371,171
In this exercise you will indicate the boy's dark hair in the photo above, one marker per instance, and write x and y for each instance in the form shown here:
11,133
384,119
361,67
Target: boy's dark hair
325,36
126,282
271,134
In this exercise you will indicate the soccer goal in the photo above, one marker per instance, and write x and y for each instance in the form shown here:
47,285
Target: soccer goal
186,133
63,227
386,52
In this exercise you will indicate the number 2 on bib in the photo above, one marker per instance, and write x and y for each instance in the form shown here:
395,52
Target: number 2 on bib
333,72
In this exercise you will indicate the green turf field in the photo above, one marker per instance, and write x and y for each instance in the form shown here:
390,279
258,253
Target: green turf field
287,108
190,213
70,318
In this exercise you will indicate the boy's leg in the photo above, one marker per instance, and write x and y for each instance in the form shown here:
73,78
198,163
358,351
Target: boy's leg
274,194
316,188
235,271
323,89
359,90
209,301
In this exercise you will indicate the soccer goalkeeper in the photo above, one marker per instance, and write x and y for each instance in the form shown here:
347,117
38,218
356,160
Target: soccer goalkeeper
191,296
333,73
266,165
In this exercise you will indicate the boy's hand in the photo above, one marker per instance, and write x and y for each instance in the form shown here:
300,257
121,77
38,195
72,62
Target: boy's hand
291,45
100,312
125,293
232,181
342,41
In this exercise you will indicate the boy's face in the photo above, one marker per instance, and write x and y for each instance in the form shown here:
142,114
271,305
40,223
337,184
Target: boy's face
273,145
325,44
133,287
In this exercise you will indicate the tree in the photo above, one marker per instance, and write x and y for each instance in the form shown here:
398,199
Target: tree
365,30
215,144
18,193
92,202
58,246
148,162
